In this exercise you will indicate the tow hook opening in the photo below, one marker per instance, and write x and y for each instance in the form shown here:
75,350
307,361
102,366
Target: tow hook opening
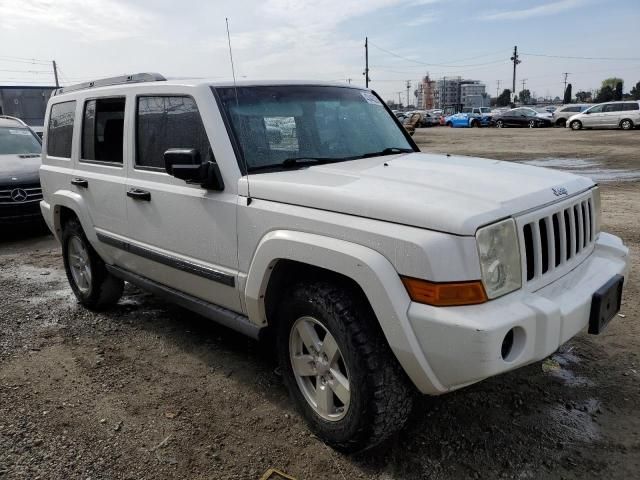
512,344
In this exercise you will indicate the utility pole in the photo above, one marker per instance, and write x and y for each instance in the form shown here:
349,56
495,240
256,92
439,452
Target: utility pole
399,99
515,61
408,89
566,74
366,62
524,81
443,96
497,88
55,73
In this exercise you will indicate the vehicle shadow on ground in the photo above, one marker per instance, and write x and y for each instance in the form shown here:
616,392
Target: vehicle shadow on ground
527,422
21,233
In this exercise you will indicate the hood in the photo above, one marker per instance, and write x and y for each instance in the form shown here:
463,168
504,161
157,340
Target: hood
452,194
18,169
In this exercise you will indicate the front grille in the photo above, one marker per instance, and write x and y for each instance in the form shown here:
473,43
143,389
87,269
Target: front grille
556,238
33,193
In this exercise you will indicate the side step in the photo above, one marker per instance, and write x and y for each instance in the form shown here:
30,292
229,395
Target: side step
223,316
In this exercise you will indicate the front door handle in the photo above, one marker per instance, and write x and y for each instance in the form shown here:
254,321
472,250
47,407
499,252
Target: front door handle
138,194
80,182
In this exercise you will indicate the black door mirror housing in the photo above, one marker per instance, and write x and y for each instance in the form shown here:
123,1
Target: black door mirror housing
185,164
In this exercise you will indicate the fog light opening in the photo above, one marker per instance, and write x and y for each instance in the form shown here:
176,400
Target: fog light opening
507,344
512,344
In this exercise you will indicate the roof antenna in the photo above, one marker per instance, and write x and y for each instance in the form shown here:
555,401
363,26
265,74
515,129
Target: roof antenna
235,89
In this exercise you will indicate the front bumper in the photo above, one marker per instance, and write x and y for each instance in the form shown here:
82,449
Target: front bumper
463,345
20,212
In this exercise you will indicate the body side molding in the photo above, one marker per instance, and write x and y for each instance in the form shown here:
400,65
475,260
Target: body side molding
171,261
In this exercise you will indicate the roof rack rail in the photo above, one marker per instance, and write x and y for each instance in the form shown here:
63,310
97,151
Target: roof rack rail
9,117
121,80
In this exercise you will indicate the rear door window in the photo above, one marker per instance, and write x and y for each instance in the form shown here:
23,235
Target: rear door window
60,129
613,107
164,122
102,130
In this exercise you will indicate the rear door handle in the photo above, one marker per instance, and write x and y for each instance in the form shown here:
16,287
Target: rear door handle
80,182
138,194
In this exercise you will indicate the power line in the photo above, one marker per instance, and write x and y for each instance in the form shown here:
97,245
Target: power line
430,64
581,58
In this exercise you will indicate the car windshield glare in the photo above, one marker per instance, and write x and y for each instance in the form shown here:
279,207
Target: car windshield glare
274,123
18,141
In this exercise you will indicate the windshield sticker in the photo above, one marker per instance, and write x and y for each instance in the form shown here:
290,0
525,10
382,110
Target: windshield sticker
19,132
370,98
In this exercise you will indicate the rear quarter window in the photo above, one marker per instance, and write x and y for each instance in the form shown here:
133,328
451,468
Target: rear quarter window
631,106
60,129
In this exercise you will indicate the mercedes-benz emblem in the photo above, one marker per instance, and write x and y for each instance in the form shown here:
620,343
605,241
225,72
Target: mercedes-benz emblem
18,195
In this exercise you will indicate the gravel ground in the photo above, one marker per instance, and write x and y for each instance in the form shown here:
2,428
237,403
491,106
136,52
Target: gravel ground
148,390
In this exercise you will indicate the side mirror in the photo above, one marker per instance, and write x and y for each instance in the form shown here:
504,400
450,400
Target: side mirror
185,164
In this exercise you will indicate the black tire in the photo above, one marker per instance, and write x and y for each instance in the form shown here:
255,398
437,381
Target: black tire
475,124
499,124
381,394
626,124
449,124
104,290
561,122
576,125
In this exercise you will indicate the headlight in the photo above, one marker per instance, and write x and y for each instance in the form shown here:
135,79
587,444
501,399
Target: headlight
499,258
596,208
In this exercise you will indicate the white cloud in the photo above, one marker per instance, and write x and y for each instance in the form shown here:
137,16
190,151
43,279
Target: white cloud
539,11
421,20
90,19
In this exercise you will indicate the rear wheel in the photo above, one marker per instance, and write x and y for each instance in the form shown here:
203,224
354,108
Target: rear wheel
626,124
499,123
93,286
532,123
576,125
338,367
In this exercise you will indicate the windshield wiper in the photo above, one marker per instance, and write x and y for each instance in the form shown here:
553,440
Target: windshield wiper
387,151
299,162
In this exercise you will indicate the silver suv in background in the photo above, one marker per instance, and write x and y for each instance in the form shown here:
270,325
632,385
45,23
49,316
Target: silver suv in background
562,114
624,115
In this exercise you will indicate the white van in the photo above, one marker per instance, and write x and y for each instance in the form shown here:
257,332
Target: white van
624,115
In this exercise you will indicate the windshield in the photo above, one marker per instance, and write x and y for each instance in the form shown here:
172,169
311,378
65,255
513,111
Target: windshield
16,141
275,124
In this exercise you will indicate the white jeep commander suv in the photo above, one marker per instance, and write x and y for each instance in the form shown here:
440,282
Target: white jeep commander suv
305,210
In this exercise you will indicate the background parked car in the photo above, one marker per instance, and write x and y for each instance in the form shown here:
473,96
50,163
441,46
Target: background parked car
20,191
521,117
624,115
562,114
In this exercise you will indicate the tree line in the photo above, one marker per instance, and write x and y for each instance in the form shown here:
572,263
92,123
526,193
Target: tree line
610,90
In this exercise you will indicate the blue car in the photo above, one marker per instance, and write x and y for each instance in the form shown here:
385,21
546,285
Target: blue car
469,117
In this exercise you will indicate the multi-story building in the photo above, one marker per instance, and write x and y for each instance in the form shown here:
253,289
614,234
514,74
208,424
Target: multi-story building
454,91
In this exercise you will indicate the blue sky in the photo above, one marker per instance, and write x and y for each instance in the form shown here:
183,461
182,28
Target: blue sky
324,40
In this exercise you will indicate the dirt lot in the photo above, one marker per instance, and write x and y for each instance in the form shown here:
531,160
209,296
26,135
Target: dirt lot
148,390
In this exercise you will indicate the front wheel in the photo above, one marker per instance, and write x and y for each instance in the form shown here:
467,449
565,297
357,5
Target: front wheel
93,286
575,125
499,124
338,367
532,123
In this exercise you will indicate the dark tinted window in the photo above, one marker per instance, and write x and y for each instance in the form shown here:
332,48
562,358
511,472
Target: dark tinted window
631,106
167,122
571,109
613,107
61,129
102,130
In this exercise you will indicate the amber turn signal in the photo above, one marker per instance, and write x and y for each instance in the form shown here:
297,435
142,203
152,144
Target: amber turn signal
445,294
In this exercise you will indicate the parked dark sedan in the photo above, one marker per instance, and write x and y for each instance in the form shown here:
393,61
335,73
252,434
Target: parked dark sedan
20,191
521,117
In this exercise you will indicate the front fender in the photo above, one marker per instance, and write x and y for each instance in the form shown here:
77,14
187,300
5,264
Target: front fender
375,275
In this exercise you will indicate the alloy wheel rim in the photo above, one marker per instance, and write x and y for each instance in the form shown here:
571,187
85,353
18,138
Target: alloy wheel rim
79,264
319,369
